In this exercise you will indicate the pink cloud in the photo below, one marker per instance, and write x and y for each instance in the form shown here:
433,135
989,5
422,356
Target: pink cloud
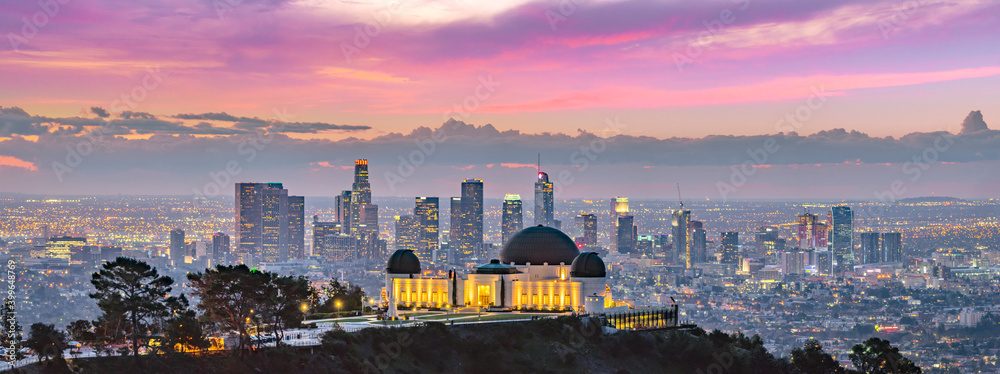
14,162
515,165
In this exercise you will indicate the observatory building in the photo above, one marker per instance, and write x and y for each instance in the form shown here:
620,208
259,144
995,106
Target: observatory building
539,269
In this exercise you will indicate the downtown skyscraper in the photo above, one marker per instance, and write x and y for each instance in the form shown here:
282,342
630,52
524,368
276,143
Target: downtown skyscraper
619,208
679,232
730,248
296,227
221,251
842,222
587,226
512,219
262,222
177,249
468,234
871,252
544,201
426,211
358,216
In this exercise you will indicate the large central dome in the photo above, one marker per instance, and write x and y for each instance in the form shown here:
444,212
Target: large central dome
538,245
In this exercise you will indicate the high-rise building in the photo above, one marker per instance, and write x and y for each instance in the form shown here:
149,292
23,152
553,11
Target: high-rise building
626,235
730,248
870,250
361,193
330,242
177,249
220,249
296,227
619,207
471,243
408,234
808,232
644,245
512,220
262,216
587,224
892,247
680,234
697,246
344,211
842,220
544,200
456,217
427,212
274,224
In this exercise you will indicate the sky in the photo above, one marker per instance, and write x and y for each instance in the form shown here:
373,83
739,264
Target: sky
730,98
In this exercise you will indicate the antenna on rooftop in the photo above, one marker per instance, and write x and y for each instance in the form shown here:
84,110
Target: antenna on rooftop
538,166
679,196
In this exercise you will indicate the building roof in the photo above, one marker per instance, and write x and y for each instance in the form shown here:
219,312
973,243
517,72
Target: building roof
403,261
588,265
495,267
538,245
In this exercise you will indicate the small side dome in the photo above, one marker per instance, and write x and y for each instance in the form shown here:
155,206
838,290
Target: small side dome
588,265
403,261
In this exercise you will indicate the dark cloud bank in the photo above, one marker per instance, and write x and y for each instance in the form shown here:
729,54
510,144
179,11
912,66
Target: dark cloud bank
424,158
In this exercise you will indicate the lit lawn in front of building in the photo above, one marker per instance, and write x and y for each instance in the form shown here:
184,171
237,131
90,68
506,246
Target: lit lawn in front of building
440,317
503,317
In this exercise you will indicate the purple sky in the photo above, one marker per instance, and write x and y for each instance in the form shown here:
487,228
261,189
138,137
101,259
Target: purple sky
683,90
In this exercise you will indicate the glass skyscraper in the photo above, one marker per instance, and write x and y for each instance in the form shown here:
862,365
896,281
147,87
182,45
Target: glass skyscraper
842,236
512,219
544,200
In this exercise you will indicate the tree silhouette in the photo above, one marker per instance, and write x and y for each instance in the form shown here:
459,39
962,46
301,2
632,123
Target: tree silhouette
877,356
228,296
135,292
812,359
46,341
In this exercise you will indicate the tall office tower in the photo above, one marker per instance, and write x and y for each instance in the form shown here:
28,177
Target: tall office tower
177,249
471,243
544,200
807,233
870,251
455,226
680,233
330,242
344,211
408,234
512,219
220,249
626,235
274,224
587,224
261,222
730,248
248,229
619,207
296,227
822,235
427,211
892,247
644,245
842,220
697,246
793,262
361,194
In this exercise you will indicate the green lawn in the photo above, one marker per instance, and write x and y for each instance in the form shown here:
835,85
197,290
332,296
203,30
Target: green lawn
502,317
420,314
439,317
